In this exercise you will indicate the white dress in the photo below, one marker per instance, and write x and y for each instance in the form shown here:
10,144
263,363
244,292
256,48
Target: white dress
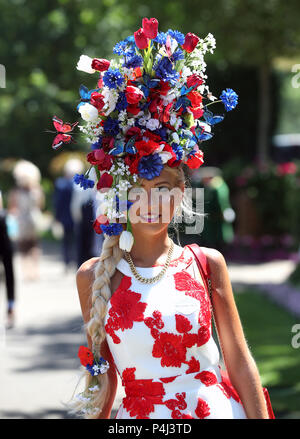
160,337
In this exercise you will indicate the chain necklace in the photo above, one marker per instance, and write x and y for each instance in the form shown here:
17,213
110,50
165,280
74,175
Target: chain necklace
150,280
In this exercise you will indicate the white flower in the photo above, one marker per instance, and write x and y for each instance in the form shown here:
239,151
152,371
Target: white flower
94,389
85,64
126,241
88,112
152,124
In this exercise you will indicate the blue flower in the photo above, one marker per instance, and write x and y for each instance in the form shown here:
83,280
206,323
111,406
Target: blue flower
150,166
84,182
133,61
178,36
178,150
111,126
97,145
161,38
121,102
177,55
113,78
112,229
122,205
125,47
229,99
164,70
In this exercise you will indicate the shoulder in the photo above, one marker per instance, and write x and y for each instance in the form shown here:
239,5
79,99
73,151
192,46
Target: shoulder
85,272
217,265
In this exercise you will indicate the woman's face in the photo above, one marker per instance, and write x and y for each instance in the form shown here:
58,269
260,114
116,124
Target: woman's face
154,202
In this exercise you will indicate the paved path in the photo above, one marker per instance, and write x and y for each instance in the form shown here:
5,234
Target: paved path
38,357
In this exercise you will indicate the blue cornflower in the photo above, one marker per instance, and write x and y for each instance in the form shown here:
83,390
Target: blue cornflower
178,36
150,166
125,47
112,229
121,102
229,99
111,126
84,182
133,61
178,150
164,70
113,78
98,144
177,55
161,38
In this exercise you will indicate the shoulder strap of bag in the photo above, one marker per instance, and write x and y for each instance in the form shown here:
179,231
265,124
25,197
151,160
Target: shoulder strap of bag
203,266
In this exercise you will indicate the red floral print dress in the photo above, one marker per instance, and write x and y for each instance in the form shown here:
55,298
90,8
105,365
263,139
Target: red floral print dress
160,337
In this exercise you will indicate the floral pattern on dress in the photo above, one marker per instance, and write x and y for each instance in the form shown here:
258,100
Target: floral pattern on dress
126,308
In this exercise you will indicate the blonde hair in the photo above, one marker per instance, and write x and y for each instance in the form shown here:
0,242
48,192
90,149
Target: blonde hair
90,403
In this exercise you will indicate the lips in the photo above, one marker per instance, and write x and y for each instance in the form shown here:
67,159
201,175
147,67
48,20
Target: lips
150,218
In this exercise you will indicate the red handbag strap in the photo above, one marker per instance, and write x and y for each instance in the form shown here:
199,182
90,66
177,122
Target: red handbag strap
201,262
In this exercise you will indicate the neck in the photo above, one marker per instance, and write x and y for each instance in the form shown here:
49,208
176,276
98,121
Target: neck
149,250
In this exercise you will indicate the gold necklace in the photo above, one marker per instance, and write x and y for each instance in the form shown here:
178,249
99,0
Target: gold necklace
150,280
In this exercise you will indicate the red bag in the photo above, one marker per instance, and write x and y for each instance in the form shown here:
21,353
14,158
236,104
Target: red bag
205,272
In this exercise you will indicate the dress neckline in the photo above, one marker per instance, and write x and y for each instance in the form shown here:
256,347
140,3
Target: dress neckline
123,265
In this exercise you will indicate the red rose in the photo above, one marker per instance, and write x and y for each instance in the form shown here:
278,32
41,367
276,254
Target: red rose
97,100
194,81
133,109
133,95
105,181
141,39
100,64
195,98
86,356
150,27
197,112
195,161
190,42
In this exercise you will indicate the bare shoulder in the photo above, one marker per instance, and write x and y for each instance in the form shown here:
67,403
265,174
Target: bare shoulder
85,275
214,257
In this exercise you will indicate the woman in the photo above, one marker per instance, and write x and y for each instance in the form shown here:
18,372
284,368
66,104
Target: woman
146,309
239,363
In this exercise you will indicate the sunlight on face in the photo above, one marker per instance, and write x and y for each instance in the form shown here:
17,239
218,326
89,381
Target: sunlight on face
154,201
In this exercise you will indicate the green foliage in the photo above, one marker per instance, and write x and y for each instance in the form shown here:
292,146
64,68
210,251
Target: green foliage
267,328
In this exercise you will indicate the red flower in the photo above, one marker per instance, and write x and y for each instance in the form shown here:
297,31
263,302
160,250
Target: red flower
182,323
141,39
100,158
197,112
126,308
100,64
133,109
194,81
195,98
146,148
86,356
195,161
207,378
194,365
150,27
133,131
105,181
202,410
133,94
203,335
190,42
170,349
101,219
97,100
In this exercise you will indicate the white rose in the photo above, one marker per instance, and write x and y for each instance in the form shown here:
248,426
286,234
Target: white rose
88,112
126,241
85,64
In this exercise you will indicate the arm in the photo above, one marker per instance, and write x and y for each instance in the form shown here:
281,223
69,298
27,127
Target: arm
240,365
84,279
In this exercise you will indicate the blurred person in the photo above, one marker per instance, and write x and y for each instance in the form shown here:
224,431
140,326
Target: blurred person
25,202
6,253
63,190
83,206
218,229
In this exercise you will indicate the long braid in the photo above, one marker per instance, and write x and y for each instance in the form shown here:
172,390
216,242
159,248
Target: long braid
90,403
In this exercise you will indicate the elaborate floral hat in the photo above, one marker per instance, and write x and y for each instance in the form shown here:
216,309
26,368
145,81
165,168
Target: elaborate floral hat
149,108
